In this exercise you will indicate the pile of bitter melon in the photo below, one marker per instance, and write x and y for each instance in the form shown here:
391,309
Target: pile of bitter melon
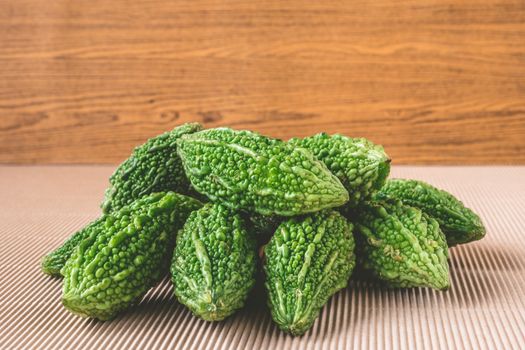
211,206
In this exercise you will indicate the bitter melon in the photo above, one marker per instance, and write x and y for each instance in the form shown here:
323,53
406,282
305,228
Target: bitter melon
459,223
214,262
53,262
245,170
401,245
152,167
124,255
306,261
361,165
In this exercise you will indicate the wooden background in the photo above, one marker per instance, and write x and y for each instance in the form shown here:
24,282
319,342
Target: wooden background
436,82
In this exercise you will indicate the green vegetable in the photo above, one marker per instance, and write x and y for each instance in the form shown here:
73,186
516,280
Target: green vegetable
245,170
53,262
214,263
125,254
459,223
282,214
152,167
306,262
401,245
361,165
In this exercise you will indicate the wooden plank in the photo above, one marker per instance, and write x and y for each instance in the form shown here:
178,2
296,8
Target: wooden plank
435,82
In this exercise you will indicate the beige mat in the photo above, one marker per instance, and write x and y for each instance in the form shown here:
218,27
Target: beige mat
485,308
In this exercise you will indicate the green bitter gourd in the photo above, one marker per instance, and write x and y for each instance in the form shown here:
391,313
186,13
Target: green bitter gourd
401,245
245,170
307,260
361,165
152,167
214,262
459,223
54,261
124,255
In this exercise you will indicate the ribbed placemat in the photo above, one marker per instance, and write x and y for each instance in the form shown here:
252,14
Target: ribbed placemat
485,308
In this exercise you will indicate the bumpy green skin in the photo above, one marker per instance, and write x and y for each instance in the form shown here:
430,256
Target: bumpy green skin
459,223
152,167
53,262
245,170
214,263
124,255
401,245
306,262
361,165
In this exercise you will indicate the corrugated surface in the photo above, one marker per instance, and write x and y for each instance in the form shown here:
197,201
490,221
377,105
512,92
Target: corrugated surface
485,307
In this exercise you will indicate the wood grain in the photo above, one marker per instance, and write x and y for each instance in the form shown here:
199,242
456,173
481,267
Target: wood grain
433,81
